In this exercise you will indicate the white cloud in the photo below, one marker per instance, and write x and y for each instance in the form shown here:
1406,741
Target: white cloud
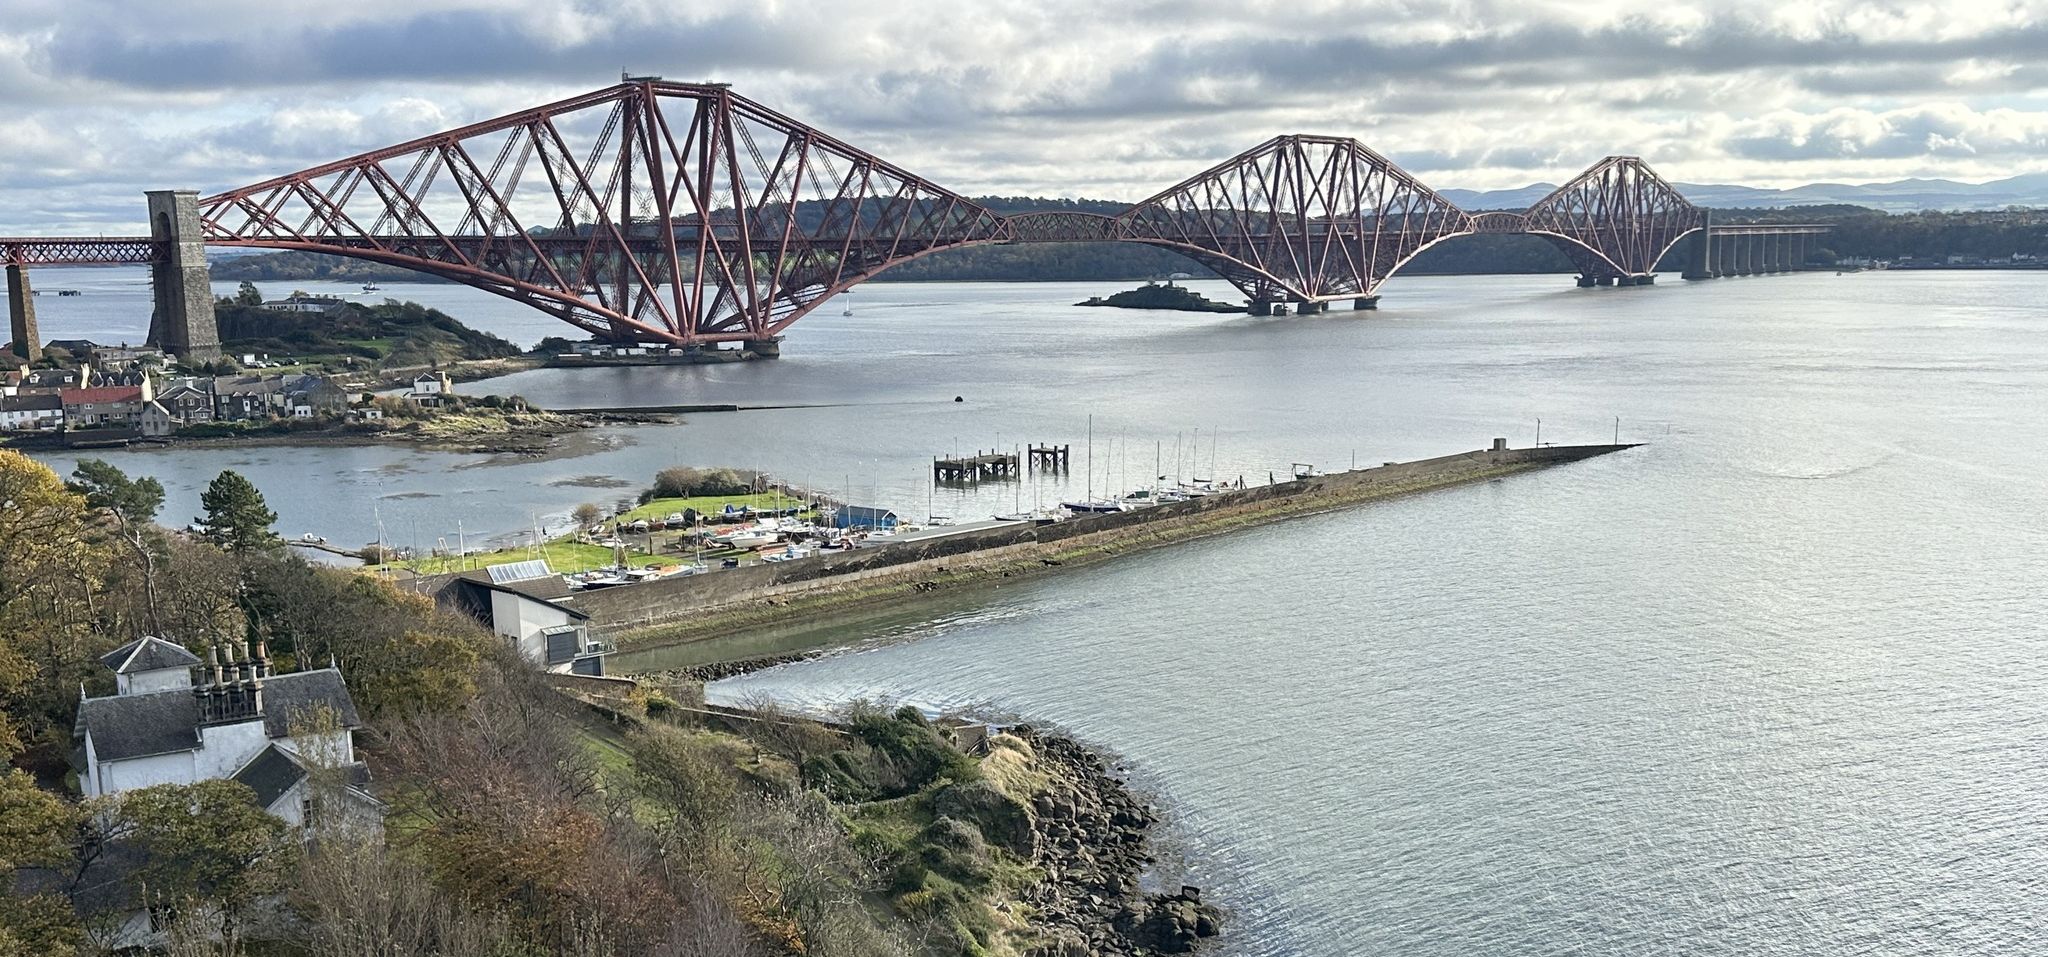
100,99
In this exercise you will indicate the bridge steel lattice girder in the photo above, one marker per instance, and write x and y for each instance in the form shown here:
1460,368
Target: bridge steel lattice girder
620,213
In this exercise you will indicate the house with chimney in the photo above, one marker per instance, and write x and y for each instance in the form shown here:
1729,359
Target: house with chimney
107,407
177,719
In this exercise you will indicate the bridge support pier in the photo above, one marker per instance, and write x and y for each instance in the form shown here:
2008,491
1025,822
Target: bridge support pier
183,322
765,348
21,314
1587,282
1260,307
1365,302
1701,263
1311,307
1603,280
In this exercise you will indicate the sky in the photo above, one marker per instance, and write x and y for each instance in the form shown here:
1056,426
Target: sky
102,99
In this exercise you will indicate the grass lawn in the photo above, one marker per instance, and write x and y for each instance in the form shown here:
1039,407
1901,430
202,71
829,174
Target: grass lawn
563,555
706,505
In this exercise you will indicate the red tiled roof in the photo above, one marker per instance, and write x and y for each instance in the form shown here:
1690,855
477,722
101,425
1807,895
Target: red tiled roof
112,393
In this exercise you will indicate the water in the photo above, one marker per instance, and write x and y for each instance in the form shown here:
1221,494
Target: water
1771,684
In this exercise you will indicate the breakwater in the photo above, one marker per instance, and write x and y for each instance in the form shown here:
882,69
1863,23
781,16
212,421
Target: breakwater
700,606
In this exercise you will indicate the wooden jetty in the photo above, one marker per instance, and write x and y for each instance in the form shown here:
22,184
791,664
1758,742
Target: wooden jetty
1048,458
974,468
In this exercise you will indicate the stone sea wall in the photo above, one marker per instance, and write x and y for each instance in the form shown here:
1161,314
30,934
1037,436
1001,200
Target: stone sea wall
645,606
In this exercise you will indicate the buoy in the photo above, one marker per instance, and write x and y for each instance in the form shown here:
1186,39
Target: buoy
958,399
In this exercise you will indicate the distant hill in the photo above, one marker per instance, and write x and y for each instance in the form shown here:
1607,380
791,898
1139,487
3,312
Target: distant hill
1900,196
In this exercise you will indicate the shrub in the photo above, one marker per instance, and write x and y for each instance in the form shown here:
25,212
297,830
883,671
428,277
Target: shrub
684,482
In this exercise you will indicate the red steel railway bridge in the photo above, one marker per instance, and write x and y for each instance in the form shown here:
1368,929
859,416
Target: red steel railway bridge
686,215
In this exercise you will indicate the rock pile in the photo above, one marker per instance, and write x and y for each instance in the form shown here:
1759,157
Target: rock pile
1091,846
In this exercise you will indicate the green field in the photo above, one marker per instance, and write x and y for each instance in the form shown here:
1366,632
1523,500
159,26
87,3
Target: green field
570,554
661,508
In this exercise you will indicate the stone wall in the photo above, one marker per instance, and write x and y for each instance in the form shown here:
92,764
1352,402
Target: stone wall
621,609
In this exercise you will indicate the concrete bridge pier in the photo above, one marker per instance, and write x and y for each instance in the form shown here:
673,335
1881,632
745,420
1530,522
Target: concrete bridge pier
1260,307
183,322
765,348
1365,302
1701,264
21,314
1603,280
1311,307
1587,282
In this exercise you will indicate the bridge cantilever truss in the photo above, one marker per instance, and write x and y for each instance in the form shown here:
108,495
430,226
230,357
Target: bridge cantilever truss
649,211
685,214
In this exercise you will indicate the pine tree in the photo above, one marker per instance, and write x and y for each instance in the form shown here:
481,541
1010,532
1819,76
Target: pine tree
237,518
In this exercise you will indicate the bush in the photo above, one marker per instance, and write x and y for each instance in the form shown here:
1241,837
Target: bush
684,482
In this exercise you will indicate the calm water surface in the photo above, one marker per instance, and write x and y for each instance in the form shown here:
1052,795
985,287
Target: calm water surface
1772,684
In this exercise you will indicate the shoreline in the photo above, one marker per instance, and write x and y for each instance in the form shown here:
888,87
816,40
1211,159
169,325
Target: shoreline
1064,809
528,440
644,618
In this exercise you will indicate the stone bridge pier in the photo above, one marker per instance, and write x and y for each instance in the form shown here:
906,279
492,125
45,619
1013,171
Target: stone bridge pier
182,323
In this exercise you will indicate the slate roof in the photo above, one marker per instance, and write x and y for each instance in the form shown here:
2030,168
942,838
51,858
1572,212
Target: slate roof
44,402
148,653
139,725
270,773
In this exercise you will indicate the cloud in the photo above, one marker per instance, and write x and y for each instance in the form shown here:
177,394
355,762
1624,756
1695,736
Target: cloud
100,99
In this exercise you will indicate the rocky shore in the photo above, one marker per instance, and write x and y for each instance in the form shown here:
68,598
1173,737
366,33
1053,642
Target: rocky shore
1092,846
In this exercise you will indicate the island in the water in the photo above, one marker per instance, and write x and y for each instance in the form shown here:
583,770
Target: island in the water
1161,296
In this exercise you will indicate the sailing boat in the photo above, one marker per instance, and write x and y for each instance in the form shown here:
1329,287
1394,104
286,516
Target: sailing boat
1091,504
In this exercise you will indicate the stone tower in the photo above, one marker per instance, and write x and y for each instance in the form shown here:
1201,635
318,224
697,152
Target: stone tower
182,324
21,314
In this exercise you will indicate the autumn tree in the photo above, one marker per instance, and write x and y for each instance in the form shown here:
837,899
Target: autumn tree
237,518
132,504
587,514
203,845
53,572
35,831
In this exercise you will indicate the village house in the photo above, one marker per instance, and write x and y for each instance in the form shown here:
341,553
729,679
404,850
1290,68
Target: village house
241,398
99,377
518,602
156,421
309,395
36,413
245,398
125,355
189,401
52,381
112,407
430,389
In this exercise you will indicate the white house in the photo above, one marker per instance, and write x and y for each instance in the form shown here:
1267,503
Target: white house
430,388
238,721
517,601
39,413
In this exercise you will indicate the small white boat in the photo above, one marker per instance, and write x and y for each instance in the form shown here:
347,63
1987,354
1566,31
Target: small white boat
748,539
639,527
